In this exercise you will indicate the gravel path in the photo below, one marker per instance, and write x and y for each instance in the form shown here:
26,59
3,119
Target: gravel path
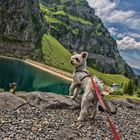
30,123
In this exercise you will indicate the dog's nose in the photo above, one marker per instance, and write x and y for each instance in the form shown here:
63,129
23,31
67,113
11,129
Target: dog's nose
71,62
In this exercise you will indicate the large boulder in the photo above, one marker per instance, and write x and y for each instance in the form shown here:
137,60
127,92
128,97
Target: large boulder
45,100
9,101
51,100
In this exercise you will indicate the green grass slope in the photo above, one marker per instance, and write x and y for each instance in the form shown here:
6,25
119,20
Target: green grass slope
50,14
57,56
109,78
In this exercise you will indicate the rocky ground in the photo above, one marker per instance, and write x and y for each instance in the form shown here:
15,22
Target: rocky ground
31,122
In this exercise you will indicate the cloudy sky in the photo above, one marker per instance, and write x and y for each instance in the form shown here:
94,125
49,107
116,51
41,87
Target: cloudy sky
122,18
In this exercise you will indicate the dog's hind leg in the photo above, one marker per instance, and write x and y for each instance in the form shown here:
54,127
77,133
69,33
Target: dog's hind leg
95,109
85,104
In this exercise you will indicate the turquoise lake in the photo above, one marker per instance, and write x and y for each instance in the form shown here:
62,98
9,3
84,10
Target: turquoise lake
29,78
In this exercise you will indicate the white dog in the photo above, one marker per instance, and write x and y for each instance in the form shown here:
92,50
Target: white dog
81,79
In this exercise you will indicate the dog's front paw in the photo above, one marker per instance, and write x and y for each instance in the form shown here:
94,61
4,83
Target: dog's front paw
72,97
80,119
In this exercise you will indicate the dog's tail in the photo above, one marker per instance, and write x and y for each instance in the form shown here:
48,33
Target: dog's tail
110,108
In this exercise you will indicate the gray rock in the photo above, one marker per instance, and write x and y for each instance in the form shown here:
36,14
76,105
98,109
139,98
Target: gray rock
123,103
10,101
65,134
133,101
52,101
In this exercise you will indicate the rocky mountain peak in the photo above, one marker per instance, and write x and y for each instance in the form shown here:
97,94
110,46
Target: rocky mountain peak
75,25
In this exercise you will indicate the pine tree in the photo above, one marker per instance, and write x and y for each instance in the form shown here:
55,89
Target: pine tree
138,93
125,88
128,89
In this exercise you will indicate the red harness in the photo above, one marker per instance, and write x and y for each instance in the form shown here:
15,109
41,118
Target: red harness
115,135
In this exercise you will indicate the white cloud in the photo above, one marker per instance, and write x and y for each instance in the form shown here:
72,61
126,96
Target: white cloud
109,12
102,7
134,23
128,43
134,35
119,16
132,58
113,31
120,35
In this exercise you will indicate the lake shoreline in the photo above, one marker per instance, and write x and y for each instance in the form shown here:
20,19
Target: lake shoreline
54,71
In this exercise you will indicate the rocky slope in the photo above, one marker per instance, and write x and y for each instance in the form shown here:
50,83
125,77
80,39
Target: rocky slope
42,120
21,26
72,22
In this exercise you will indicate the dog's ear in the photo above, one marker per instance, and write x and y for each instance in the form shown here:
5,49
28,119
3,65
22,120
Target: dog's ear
84,55
74,53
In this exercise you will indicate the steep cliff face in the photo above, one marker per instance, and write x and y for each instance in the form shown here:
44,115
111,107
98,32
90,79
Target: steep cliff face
77,28
21,26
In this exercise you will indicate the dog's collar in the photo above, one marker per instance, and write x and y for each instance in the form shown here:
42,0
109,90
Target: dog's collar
84,76
81,71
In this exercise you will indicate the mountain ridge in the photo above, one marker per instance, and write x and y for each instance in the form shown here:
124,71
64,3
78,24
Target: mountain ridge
136,71
73,23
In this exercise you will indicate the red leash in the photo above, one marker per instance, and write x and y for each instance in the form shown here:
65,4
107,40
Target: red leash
115,135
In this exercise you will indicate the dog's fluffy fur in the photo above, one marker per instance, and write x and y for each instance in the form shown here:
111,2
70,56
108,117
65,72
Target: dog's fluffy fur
89,97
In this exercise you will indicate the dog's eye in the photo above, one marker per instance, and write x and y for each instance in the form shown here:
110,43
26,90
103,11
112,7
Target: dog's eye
77,59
